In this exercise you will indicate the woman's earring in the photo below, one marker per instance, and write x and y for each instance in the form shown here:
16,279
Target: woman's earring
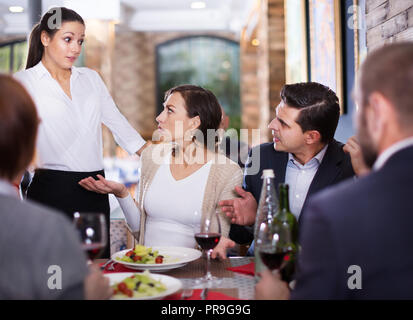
193,137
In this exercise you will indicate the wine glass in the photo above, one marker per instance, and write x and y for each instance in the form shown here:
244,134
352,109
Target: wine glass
274,245
207,235
92,231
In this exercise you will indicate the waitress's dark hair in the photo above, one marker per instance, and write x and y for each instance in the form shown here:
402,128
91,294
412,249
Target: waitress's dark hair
51,21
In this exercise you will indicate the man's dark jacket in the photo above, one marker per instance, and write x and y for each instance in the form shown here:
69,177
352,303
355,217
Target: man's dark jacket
335,167
357,237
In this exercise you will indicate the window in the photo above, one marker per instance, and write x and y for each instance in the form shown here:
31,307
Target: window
207,61
13,56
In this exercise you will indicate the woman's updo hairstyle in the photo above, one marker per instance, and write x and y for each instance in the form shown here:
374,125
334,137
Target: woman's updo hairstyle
203,103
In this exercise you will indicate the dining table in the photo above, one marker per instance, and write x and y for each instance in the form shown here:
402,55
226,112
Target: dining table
231,284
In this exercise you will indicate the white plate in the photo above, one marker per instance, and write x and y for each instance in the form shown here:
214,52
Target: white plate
172,284
175,257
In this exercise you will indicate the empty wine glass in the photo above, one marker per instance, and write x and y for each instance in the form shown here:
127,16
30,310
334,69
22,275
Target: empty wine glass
92,232
207,235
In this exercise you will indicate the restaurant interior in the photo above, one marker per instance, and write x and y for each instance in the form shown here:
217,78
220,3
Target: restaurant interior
244,51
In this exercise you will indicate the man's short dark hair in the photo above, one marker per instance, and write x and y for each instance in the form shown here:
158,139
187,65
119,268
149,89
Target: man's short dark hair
319,107
389,71
18,128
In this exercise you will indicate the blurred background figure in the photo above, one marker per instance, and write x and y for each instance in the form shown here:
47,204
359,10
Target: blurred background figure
230,144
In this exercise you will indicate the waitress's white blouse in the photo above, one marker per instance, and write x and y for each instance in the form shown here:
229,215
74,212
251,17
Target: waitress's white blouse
70,132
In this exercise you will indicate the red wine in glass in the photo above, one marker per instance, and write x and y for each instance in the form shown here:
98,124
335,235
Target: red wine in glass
207,240
91,228
207,233
273,259
93,250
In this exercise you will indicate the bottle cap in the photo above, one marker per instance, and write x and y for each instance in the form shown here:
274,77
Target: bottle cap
267,173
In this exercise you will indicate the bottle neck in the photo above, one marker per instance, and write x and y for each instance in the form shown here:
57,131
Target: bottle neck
269,182
284,201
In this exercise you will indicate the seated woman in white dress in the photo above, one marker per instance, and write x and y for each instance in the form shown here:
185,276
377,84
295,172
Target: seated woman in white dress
180,176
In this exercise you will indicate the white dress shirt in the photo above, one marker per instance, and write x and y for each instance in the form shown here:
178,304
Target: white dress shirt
389,152
299,178
6,188
70,132
170,206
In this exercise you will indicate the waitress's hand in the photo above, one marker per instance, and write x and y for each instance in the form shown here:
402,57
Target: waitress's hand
104,186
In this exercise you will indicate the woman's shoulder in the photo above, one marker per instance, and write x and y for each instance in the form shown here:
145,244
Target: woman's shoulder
88,72
30,73
222,160
24,75
154,154
225,166
27,78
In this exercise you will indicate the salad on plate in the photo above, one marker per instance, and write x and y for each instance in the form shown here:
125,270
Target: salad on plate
138,286
142,255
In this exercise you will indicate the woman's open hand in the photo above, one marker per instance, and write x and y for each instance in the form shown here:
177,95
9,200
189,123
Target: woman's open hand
104,186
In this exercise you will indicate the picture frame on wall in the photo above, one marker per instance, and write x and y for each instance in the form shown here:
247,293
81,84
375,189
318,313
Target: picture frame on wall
296,61
325,45
360,41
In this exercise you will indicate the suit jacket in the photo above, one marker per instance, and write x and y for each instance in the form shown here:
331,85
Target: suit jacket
32,239
335,167
365,223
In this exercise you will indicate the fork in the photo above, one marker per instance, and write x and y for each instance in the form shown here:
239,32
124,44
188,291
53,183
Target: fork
106,264
112,266
204,294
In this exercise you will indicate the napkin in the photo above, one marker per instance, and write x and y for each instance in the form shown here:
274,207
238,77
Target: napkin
118,268
212,295
246,268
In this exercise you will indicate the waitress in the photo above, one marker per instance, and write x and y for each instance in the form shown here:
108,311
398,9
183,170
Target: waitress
72,104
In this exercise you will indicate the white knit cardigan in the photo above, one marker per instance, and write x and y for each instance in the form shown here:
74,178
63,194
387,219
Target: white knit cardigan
224,175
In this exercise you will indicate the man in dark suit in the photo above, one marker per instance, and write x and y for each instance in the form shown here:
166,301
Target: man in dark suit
303,153
356,237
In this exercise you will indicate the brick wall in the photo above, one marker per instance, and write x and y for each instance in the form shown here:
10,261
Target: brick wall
126,60
134,75
276,54
128,66
388,21
263,69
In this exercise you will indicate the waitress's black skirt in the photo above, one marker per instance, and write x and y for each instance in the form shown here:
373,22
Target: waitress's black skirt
61,190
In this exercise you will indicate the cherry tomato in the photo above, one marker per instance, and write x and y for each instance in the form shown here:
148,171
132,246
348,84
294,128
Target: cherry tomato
129,293
129,253
122,287
159,259
137,258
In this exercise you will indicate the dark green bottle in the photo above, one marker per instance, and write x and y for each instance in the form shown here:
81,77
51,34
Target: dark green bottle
285,224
